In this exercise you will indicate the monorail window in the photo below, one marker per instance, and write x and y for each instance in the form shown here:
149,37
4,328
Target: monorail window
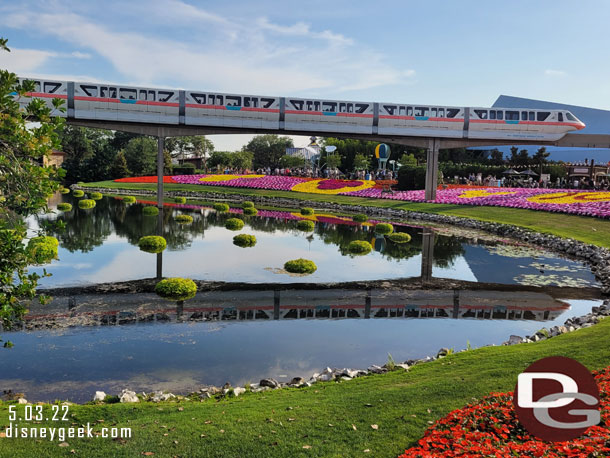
542,115
524,116
512,116
441,112
147,95
127,94
108,92
361,107
297,104
164,96
329,106
421,111
531,116
251,102
402,111
50,88
452,112
433,112
346,108
309,105
560,117
199,98
267,102
390,109
233,101
409,111
570,116
91,91
482,114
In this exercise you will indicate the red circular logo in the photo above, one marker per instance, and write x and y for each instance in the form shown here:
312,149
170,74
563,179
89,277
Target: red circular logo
557,399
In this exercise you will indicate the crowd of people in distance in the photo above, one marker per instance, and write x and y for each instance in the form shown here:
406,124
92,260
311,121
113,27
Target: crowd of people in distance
517,181
315,172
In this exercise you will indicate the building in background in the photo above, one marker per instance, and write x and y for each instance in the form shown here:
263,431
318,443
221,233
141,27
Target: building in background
310,152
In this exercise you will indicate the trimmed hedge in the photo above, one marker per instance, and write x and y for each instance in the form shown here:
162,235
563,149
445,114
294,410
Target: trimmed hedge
306,225
400,237
152,243
65,190
78,193
360,218
64,207
42,250
306,211
129,199
184,219
384,228
150,211
300,266
176,289
244,240
183,169
86,204
359,247
180,200
246,204
250,211
234,224
95,195
220,207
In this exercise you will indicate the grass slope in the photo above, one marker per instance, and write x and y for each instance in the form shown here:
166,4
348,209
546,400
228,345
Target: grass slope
583,228
280,423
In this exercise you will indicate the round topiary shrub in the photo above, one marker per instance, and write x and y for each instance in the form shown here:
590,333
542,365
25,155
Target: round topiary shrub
244,240
152,243
307,211
400,237
247,204
65,190
360,218
150,211
300,266
250,211
64,207
180,200
42,250
86,204
384,228
184,219
129,199
95,195
176,289
78,193
306,225
234,224
220,207
359,247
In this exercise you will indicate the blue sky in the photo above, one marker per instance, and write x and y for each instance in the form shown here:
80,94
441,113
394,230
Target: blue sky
433,52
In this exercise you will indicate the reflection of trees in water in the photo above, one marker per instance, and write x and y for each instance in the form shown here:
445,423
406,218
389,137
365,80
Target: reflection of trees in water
84,229
447,249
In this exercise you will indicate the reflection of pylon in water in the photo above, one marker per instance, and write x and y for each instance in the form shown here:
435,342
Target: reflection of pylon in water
378,243
309,239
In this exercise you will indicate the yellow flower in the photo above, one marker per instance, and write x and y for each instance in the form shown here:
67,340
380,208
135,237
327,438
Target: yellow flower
328,217
481,193
312,187
566,198
215,178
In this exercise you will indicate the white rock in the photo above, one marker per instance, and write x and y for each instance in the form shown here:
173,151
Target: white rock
237,391
128,396
22,401
99,396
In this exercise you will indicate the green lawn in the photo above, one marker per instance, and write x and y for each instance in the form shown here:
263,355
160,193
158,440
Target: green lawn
280,423
586,229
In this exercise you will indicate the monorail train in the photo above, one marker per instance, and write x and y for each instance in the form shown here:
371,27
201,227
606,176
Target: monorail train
106,102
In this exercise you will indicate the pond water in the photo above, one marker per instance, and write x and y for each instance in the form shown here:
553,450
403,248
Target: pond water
80,343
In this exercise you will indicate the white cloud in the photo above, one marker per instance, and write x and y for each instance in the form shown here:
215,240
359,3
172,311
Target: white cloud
258,57
551,72
22,61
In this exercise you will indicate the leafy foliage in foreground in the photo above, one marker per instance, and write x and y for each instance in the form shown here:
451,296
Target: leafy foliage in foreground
152,243
176,289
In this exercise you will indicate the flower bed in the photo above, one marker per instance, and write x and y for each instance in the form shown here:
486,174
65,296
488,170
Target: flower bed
587,203
490,428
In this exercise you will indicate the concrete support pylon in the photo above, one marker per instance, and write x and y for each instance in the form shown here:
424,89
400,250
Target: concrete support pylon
432,168
160,163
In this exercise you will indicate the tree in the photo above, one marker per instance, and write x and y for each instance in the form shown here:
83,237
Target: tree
141,156
497,157
292,162
241,160
407,160
268,149
201,148
24,186
362,162
332,161
89,154
119,167
220,159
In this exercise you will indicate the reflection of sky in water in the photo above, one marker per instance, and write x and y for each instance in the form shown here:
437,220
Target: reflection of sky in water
75,362
210,255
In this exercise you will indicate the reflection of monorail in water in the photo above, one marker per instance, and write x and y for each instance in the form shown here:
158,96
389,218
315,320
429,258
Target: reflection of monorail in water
104,102
294,304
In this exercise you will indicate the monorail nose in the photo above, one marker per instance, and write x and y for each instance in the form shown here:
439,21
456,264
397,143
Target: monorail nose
581,125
